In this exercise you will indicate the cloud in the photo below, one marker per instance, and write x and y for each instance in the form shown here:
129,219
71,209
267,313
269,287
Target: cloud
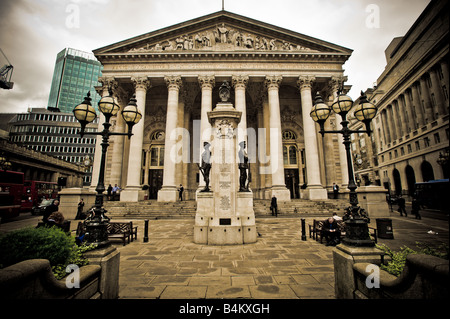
32,32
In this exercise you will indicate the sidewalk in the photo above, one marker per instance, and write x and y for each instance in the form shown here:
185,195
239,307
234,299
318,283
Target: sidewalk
278,266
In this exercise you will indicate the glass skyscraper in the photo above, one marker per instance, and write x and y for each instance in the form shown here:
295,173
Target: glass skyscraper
76,72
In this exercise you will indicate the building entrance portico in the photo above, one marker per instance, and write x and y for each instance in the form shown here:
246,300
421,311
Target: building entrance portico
175,74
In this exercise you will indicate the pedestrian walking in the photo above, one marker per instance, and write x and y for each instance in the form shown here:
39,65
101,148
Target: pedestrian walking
274,206
401,206
415,209
180,192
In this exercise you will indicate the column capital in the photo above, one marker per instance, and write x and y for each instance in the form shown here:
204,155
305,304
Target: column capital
173,82
239,81
305,82
207,81
141,83
108,82
336,82
273,81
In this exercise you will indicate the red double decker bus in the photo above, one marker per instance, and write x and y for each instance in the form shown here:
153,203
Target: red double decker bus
11,191
35,191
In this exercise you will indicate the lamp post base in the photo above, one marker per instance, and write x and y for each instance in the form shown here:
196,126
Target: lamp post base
97,234
357,233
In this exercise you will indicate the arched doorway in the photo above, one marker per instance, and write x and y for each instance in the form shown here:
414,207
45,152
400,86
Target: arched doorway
427,171
410,179
397,182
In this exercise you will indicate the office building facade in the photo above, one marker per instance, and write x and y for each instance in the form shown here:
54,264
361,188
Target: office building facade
76,72
55,134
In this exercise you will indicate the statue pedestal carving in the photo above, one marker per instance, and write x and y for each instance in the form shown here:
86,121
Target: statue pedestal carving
224,215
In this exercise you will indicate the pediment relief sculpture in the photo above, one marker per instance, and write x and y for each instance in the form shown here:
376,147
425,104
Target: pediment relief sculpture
223,37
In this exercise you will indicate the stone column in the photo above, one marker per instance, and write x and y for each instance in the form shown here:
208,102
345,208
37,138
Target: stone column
418,106
117,149
445,71
336,83
403,118
314,189
437,91
107,82
424,93
276,144
239,83
207,84
406,105
186,151
397,119
265,169
168,192
180,149
385,127
133,191
391,122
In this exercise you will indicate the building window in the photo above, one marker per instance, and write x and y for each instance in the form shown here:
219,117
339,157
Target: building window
409,148
437,138
289,155
157,156
417,145
426,141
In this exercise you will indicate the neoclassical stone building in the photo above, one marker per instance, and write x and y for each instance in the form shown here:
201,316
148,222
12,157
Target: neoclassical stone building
175,74
412,97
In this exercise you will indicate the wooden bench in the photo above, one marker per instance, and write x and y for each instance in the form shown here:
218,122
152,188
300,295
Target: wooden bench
315,230
133,231
121,231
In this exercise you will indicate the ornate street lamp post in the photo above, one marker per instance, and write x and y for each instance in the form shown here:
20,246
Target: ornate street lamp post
97,222
356,219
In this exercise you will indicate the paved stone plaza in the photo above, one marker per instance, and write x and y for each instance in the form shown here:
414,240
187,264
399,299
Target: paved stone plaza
278,266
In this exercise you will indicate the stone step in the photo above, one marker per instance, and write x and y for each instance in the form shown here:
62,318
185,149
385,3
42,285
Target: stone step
152,209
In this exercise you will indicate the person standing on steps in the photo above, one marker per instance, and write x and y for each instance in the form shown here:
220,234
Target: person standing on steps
180,192
274,206
335,190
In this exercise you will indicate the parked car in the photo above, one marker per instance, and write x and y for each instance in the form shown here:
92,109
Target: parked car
40,209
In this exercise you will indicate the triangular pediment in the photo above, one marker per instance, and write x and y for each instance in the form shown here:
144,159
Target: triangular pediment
222,32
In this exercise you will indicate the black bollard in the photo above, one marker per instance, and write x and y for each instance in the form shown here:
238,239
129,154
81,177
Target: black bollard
146,231
303,230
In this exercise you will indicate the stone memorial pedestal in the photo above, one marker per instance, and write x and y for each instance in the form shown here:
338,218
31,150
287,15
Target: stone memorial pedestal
224,215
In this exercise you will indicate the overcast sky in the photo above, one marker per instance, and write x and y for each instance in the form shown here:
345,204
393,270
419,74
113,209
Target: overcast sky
32,32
